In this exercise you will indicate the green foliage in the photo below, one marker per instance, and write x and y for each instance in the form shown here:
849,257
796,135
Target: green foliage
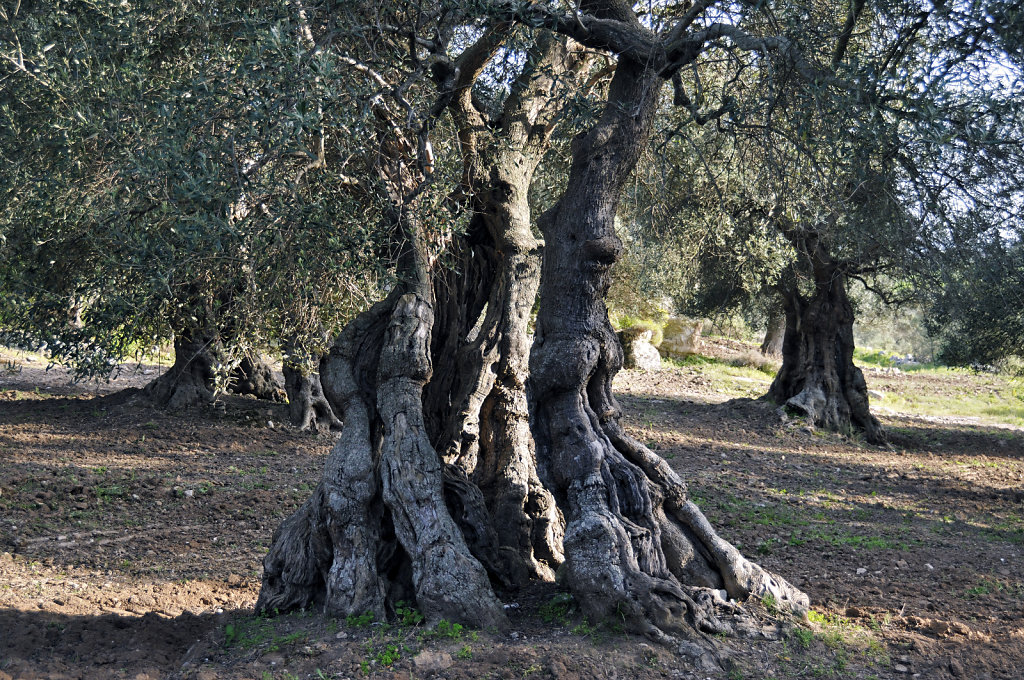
976,310
557,609
407,615
184,187
803,636
388,655
359,620
626,322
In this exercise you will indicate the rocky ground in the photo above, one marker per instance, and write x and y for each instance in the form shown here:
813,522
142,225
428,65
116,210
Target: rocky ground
131,540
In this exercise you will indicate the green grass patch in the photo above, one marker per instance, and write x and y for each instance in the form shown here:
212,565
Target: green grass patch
729,380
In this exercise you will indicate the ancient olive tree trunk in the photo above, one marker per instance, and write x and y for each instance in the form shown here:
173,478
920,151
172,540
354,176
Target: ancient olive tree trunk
190,380
818,378
308,408
479,409
477,401
376,529
636,549
254,377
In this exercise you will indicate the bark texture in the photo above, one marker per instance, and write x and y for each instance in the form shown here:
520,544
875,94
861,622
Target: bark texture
376,529
636,549
818,378
478,402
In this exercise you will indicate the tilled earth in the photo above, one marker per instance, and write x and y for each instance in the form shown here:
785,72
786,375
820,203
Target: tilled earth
131,540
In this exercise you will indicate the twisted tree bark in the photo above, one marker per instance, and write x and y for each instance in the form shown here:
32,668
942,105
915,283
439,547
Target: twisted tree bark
636,549
818,378
376,529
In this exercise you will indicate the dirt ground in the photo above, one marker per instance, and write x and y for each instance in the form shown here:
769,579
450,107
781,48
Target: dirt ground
131,540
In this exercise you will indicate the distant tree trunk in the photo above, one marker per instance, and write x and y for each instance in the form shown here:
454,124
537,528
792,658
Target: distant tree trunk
190,380
818,377
308,408
254,377
636,549
771,346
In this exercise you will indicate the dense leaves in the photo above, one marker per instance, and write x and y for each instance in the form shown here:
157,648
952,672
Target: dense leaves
179,168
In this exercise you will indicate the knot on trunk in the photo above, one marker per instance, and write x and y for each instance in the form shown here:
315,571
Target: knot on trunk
602,252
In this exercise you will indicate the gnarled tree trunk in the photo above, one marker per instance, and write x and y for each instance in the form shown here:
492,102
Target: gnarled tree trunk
818,378
308,408
478,403
253,376
636,549
377,528
189,381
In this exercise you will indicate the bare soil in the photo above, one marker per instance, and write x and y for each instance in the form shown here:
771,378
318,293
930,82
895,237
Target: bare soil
131,540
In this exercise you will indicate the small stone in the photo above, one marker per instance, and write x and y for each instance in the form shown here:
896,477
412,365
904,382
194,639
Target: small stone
901,564
270,424
900,668
431,662
861,570
189,493
342,635
929,567
234,580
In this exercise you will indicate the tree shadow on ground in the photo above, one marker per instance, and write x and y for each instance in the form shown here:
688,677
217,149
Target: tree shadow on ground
45,644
